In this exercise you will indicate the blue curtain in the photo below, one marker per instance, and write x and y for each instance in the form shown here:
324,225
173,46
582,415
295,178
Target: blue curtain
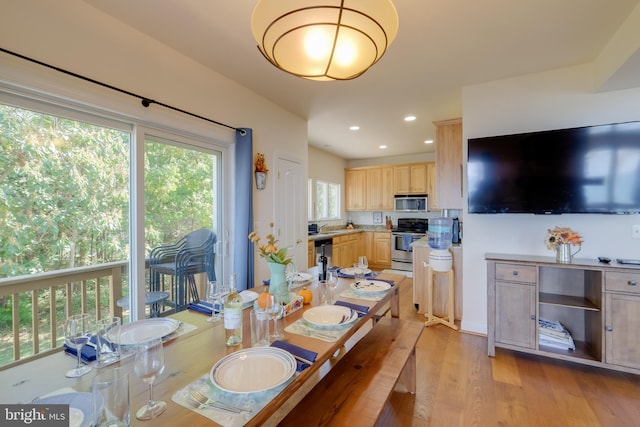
243,249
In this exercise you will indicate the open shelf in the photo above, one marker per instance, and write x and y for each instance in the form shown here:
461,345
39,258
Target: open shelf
569,301
582,351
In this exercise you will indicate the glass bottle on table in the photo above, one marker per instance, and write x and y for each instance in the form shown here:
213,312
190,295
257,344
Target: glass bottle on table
233,314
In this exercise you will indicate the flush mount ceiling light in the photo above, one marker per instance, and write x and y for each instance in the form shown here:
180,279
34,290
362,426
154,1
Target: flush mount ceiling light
324,39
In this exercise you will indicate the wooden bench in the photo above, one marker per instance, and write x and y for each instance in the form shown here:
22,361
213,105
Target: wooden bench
356,390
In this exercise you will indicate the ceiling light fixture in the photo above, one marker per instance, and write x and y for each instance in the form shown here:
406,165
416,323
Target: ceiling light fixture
429,141
324,39
382,146
354,127
409,118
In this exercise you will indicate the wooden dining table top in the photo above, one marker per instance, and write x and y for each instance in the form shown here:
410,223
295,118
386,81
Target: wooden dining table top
193,354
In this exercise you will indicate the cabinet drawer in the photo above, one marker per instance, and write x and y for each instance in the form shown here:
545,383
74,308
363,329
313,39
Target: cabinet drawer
516,273
622,282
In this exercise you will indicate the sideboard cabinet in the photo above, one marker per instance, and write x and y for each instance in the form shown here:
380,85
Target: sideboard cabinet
598,304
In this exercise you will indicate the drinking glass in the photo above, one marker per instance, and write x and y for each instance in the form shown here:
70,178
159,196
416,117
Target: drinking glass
107,341
215,292
274,310
332,282
364,264
148,365
77,331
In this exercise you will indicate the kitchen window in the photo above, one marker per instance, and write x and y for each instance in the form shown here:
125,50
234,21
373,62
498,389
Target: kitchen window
325,198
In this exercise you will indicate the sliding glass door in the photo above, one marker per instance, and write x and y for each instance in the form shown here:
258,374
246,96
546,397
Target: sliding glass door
182,205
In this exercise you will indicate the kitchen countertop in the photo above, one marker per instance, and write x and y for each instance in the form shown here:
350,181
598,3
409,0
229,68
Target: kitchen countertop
424,242
342,231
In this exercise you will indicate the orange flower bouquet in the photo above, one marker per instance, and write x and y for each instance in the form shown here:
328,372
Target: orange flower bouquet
261,164
560,235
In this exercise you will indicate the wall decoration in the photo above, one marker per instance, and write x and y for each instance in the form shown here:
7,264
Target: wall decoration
261,171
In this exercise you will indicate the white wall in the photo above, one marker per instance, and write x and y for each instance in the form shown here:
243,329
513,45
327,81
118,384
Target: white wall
551,100
77,37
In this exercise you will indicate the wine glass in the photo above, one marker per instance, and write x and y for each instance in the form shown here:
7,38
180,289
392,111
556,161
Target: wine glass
215,292
332,282
148,365
77,331
274,310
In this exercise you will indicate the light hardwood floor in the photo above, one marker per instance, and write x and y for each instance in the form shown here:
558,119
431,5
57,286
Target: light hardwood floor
459,385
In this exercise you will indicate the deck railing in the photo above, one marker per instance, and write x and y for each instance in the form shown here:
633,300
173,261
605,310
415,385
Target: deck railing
41,302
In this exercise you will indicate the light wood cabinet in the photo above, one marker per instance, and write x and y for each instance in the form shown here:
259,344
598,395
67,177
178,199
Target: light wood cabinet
598,304
345,249
410,178
376,246
355,189
311,262
379,188
449,164
432,202
381,251
373,188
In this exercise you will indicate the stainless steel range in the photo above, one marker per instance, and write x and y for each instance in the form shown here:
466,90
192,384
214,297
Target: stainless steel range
408,230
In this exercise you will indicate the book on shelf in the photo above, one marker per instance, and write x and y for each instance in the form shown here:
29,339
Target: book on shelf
552,333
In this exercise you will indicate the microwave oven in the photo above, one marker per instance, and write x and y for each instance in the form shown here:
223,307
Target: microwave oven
410,203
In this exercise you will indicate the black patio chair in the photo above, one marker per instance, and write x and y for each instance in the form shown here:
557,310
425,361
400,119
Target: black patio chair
192,254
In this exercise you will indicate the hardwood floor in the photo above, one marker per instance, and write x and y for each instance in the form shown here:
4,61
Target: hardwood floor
459,385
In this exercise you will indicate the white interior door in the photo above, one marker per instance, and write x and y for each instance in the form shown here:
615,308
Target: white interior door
290,212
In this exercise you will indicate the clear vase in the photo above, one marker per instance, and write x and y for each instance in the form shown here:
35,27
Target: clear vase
278,282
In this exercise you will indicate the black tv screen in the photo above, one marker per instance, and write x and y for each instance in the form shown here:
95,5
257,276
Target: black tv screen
593,169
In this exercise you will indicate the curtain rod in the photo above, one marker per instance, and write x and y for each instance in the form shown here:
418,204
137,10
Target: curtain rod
146,102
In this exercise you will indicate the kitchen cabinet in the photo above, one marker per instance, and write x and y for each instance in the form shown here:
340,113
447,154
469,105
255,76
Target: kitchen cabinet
598,304
410,178
311,262
366,244
432,202
345,249
376,246
381,251
449,164
355,189
379,188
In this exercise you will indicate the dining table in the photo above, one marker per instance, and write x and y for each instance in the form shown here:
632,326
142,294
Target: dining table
191,354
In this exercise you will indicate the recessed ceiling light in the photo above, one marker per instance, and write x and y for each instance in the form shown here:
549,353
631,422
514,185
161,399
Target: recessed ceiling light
409,118
429,141
382,146
354,127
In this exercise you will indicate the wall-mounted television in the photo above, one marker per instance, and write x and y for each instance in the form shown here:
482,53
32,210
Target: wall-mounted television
594,169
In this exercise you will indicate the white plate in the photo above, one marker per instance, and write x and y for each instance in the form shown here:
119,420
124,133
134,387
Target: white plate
248,297
146,330
370,286
302,277
351,271
80,407
253,370
324,316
